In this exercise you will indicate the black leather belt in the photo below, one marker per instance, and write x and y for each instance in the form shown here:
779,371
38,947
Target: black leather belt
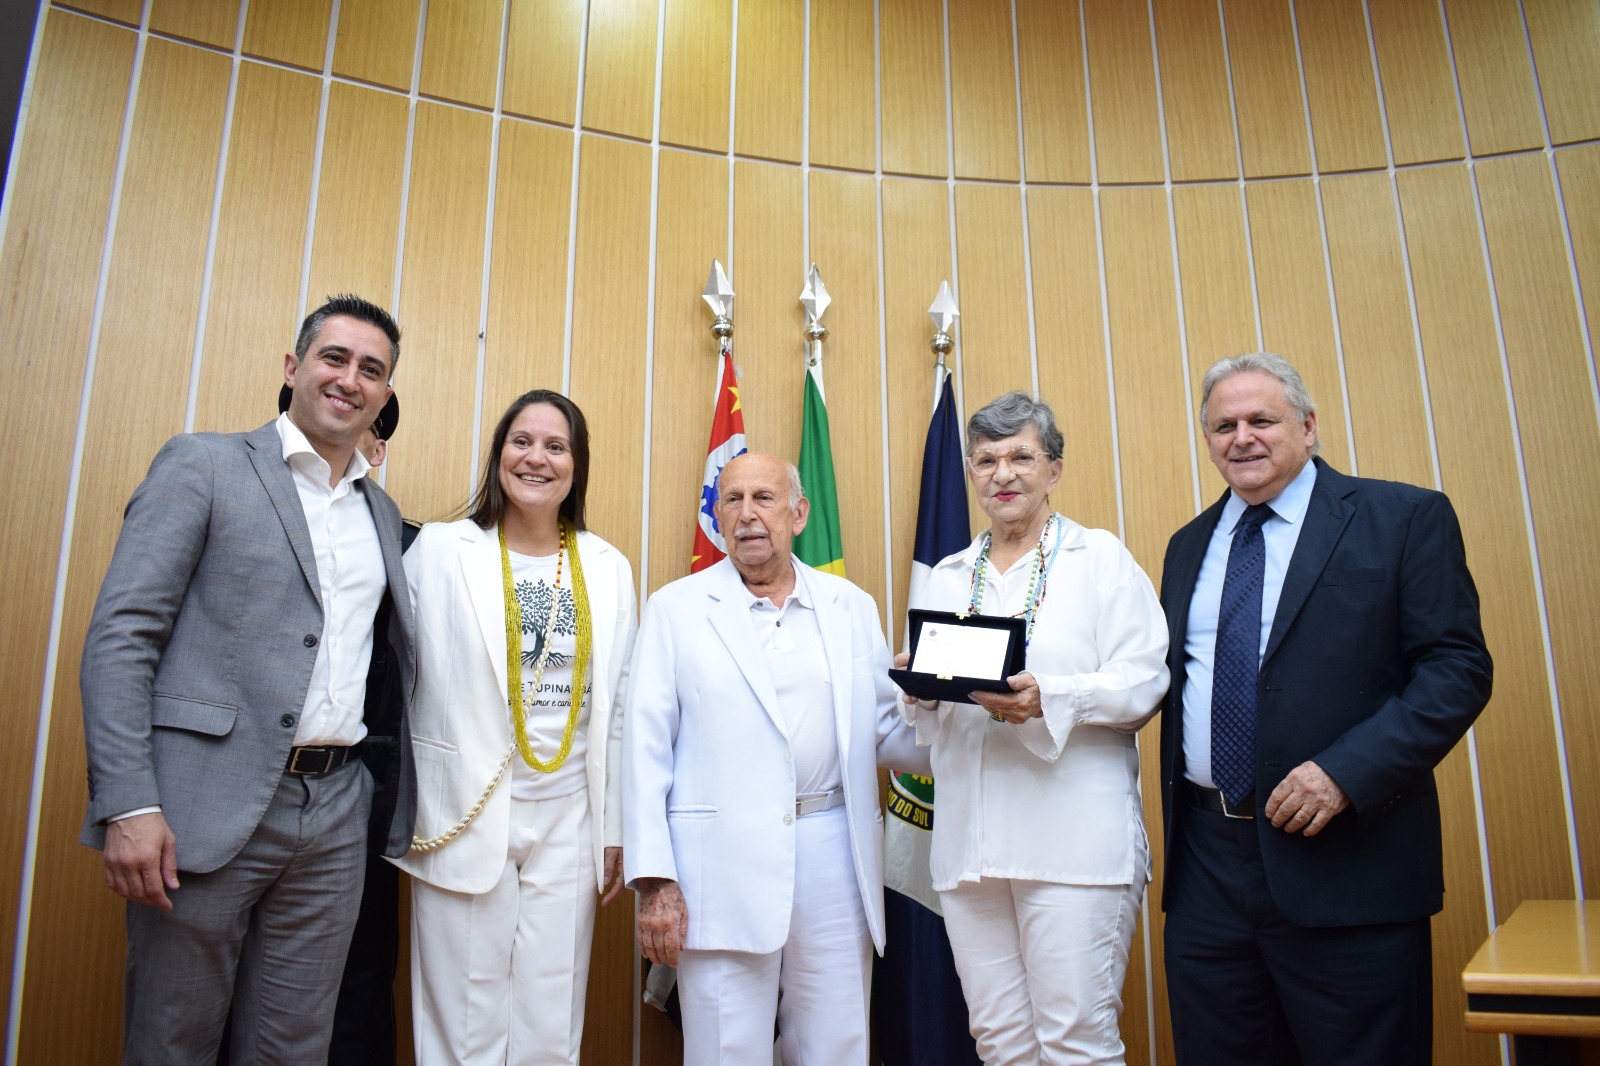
316,760
1211,799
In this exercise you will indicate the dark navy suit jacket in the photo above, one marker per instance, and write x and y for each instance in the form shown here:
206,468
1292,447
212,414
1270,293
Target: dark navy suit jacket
1374,668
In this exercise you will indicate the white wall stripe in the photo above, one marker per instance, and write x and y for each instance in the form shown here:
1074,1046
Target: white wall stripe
1522,488
572,202
1022,186
733,105
1244,200
1100,260
308,242
950,196
47,695
480,369
412,97
883,321
1327,256
204,312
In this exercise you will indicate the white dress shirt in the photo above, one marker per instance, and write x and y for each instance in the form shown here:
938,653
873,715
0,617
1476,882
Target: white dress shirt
1055,798
1280,532
793,644
350,580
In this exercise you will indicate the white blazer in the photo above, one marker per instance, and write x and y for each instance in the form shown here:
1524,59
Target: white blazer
709,782
460,724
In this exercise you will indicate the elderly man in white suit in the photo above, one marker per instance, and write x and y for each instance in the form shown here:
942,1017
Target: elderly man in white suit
759,711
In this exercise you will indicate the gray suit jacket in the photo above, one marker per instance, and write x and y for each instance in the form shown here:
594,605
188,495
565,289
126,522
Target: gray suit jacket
200,649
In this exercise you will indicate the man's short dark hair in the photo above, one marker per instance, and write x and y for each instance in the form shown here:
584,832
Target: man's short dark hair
349,305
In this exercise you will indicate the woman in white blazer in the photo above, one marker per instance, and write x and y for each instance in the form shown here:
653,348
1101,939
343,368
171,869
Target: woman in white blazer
519,814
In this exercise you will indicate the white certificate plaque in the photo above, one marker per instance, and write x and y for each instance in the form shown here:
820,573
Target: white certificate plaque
953,655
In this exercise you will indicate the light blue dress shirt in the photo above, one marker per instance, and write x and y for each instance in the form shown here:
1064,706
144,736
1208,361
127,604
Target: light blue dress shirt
1281,532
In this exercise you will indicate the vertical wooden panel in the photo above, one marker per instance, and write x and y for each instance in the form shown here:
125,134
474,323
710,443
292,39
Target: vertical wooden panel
197,20
1218,303
1122,79
844,244
916,257
994,298
1566,47
984,95
1419,93
844,117
441,288
1478,465
1496,78
1340,85
620,89
137,400
609,301
1157,495
1561,443
542,43
911,43
528,281
695,74
377,41
1055,114
767,108
1292,285
60,194
692,231
1072,349
1389,428
358,200
768,273
1579,171
255,277
1194,90
289,31
461,51
1266,88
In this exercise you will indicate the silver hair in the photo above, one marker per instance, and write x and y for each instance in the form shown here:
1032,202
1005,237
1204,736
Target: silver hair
796,490
1010,415
1294,389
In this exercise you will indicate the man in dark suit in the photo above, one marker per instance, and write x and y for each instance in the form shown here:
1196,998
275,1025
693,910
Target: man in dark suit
1326,654
224,680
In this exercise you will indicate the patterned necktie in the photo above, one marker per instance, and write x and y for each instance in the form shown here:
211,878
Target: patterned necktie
1237,664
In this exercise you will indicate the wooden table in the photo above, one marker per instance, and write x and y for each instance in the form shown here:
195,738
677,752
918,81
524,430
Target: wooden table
1537,977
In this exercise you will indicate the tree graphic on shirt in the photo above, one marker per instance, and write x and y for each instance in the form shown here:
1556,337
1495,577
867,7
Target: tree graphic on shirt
534,600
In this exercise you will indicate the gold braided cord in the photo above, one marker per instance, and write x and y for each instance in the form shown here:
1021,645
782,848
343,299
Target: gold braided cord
580,593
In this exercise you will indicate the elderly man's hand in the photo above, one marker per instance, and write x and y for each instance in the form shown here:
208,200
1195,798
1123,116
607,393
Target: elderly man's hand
663,920
141,859
1306,800
611,886
1017,706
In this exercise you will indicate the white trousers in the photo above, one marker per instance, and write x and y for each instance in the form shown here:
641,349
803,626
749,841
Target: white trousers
814,987
500,978
1042,965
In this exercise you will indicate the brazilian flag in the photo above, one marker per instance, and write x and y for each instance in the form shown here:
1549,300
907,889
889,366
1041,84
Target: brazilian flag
819,544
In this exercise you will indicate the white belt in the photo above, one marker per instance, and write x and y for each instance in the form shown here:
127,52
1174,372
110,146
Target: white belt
816,802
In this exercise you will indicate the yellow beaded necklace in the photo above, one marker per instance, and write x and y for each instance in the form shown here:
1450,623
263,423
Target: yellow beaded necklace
580,594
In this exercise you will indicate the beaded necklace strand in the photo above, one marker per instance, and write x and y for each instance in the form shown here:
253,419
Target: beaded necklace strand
1038,580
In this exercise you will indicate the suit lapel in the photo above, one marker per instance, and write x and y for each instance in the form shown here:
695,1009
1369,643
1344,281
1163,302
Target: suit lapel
485,581
729,614
266,455
834,622
1184,572
1326,518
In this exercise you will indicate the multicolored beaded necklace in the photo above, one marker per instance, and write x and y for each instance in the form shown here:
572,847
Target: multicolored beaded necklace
1038,580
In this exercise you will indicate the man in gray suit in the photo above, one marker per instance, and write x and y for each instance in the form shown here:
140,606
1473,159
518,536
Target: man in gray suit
223,679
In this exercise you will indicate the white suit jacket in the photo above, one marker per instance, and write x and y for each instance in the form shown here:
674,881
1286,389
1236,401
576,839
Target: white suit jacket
460,724
709,782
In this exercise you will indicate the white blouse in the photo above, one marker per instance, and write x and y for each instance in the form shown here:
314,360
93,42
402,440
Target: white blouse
1055,798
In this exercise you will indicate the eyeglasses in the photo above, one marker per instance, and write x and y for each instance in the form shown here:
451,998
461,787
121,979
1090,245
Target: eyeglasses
1021,461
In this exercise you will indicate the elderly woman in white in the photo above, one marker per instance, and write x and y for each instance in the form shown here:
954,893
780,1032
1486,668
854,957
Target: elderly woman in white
1039,850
